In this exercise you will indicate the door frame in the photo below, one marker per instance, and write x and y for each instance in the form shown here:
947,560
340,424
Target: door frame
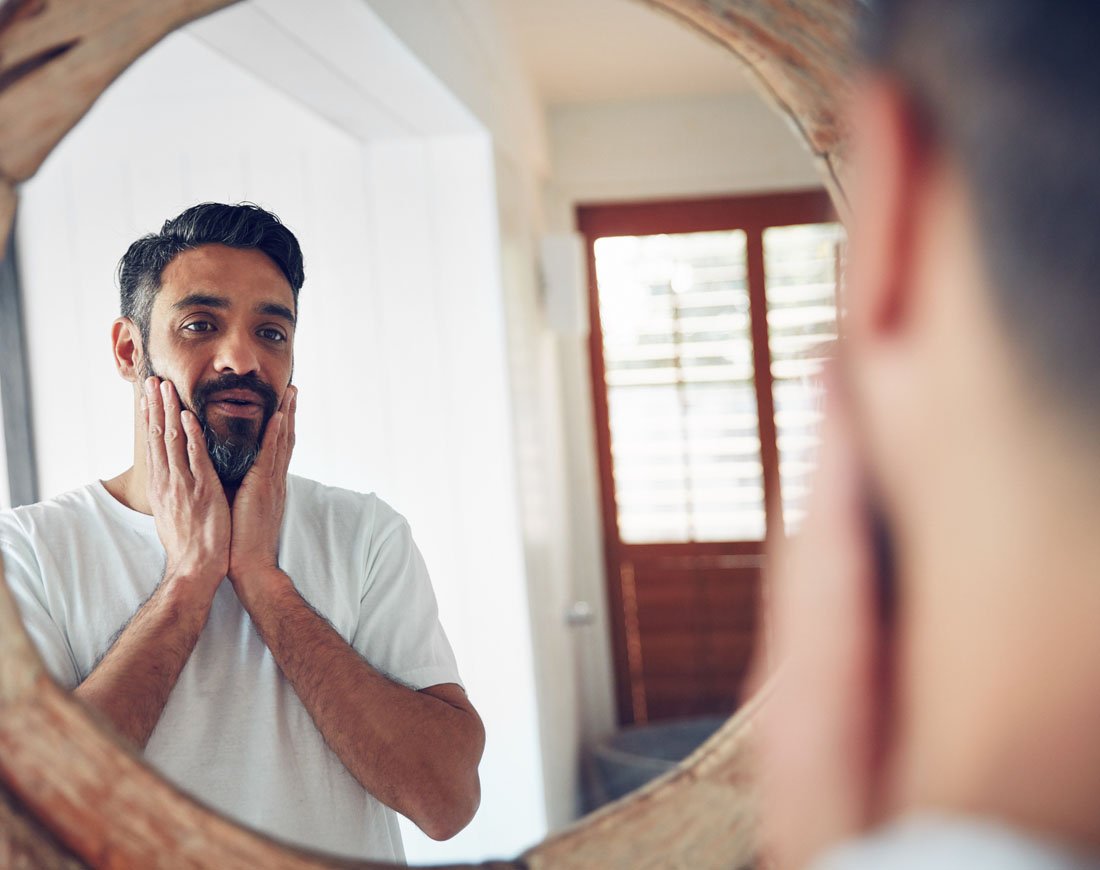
752,214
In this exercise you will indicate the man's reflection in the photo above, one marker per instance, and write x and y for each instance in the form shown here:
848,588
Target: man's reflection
280,655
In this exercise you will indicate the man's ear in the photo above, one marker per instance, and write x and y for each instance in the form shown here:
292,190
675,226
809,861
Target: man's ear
128,348
890,159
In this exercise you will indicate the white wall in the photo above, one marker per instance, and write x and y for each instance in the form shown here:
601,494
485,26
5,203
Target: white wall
673,147
400,354
462,44
470,484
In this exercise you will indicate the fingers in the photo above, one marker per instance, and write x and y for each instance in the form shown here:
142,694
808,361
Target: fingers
265,463
154,428
198,459
290,422
278,440
175,446
286,441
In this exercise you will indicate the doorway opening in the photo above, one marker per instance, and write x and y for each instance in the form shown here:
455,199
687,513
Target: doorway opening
710,320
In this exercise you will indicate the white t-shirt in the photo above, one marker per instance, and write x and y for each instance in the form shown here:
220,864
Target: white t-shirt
922,842
233,732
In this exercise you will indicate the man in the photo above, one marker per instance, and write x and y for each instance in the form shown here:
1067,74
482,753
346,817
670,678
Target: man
270,643
938,705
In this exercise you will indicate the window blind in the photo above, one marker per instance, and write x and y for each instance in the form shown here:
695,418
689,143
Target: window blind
801,265
677,349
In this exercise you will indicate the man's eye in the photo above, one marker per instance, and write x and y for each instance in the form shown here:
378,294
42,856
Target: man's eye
199,326
272,334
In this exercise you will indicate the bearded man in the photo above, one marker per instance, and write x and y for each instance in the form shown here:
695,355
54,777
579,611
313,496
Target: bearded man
271,644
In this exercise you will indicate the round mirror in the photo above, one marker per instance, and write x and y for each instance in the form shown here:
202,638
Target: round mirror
97,799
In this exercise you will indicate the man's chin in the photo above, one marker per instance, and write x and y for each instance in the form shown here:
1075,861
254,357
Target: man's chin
233,444
232,460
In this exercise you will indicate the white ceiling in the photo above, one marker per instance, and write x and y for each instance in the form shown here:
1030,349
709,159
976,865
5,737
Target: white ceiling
583,51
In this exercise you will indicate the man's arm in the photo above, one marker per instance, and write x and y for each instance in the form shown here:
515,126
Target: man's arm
132,682
417,752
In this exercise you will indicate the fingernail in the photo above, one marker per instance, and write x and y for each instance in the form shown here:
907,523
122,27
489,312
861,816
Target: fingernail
164,388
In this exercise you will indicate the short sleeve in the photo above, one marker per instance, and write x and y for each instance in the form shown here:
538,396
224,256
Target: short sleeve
24,578
399,631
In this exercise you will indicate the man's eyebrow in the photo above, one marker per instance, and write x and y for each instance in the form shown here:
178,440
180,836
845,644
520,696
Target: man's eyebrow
207,300
201,299
276,310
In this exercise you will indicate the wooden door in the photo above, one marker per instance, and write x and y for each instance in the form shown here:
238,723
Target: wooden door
707,316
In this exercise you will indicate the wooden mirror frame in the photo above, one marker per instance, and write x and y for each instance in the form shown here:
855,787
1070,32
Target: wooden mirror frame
72,794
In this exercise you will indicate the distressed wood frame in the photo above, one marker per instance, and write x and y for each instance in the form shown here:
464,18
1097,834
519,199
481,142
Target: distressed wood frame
72,794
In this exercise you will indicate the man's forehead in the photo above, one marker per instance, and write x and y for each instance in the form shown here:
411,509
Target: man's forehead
236,275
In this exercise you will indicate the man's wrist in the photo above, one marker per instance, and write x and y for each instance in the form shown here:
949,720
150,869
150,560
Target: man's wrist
188,594
259,584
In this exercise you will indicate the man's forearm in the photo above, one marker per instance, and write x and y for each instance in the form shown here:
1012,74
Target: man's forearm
414,751
131,684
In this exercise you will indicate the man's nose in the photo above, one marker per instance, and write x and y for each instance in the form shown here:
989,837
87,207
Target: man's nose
236,353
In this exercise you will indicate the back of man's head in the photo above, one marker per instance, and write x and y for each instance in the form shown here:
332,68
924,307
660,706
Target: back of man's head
951,538
244,225
1011,89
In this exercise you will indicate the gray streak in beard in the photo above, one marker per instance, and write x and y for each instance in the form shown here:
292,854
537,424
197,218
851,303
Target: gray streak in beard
231,460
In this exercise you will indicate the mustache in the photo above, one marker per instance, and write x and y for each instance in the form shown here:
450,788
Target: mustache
231,381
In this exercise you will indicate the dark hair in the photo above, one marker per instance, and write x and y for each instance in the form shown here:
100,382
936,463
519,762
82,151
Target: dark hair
1012,89
244,226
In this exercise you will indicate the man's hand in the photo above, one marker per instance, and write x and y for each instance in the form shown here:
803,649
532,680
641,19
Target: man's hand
185,494
131,684
821,731
257,514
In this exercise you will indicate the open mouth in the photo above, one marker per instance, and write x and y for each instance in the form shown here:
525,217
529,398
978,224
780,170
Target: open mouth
243,403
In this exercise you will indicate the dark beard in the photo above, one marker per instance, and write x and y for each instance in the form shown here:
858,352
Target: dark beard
233,452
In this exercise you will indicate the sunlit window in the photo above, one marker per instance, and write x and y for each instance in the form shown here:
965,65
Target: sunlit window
801,265
685,441
682,395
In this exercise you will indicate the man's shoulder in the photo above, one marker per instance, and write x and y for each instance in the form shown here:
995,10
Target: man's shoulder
64,509
313,492
311,498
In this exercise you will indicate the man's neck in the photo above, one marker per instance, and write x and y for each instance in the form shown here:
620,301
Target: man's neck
129,491
129,488
998,650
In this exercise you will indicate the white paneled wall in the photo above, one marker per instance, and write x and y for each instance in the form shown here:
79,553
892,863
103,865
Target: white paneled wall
439,300
461,43
400,352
